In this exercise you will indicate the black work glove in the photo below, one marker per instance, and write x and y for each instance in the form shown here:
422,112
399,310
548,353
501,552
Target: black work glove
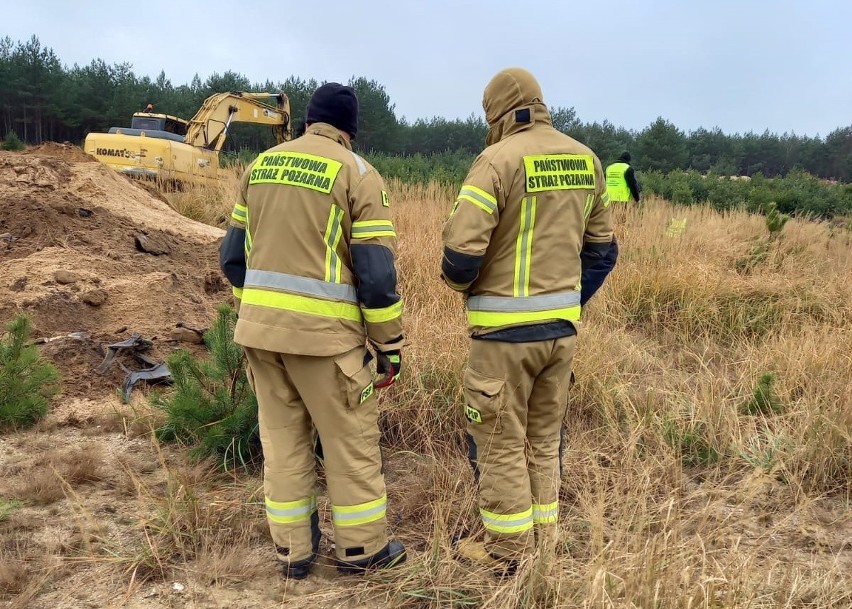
389,367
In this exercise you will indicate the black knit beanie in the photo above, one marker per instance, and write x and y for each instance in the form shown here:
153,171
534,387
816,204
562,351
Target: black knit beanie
336,105
625,156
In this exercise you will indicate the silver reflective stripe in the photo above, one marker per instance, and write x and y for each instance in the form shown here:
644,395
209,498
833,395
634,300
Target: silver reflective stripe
520,521
374,511
362,167
363,230
300,285
303,510
475,195
545,302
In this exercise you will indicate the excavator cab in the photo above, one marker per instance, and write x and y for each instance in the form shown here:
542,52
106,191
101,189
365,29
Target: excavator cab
162,126
158,122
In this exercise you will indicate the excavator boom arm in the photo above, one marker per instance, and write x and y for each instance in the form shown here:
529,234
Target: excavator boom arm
209,127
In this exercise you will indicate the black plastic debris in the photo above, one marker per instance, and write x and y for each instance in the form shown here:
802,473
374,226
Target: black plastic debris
136,346
158,374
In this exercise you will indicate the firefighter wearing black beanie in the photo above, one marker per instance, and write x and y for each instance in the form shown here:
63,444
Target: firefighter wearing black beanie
336,105
310,255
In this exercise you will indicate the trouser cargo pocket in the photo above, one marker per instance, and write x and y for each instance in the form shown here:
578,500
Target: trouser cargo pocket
484,401
355,379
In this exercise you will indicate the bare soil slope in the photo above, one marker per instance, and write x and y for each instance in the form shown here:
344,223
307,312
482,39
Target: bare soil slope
73,234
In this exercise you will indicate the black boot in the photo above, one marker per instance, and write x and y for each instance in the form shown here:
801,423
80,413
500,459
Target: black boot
302,568
299,569
391,555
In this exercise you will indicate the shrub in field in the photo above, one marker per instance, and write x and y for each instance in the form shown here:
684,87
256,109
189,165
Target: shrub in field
775,221
797,192
689,436
212,407
12,142
27,382
764,399
444,168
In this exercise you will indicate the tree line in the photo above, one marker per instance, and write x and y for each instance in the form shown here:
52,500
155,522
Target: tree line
42,99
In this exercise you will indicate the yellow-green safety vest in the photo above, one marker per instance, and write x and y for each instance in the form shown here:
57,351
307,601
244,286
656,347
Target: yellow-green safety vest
616,183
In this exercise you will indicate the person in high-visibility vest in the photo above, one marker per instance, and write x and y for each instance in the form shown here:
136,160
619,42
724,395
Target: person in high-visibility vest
531,214
621,183
310,254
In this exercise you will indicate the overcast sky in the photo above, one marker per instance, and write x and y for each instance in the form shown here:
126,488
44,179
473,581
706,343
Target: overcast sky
737,64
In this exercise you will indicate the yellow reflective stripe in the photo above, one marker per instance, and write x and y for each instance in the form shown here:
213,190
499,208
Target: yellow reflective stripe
295,169
507,523
559,172
239,213
366,229
238,292
333,232
372,223
288,512
478,203
377,316
377,233
545,513
363,513
457,286
338,233
248,241
523,247
300,304
329,229
590,201
494,318
476,195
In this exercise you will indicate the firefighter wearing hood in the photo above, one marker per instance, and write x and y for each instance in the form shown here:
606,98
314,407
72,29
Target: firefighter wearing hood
530,216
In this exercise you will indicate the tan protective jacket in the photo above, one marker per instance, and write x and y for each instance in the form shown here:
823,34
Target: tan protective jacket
319,245
531,201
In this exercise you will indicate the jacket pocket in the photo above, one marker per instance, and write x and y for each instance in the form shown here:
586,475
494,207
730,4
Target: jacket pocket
484,400
355,378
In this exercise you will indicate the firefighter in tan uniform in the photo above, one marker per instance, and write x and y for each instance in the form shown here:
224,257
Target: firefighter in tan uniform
531,214
310,253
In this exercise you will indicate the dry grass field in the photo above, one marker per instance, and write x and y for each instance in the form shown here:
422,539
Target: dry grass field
708,461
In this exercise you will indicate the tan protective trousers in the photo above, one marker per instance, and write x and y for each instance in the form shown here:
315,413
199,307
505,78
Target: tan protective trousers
516,397
336,395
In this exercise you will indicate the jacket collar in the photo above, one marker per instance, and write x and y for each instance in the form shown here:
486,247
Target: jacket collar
329,131
508,124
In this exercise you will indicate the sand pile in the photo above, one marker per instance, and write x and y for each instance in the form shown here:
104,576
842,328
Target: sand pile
84,250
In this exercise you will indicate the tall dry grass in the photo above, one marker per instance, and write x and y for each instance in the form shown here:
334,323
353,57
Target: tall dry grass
678,491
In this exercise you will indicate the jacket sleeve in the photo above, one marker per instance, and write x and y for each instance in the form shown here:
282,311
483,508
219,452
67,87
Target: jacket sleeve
597,260
467,232
632,183
233,251
372,245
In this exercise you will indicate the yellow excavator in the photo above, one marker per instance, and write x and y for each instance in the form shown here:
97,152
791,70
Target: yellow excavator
170,149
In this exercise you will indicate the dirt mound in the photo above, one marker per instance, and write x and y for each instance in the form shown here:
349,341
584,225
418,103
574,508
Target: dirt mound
64,151
88,253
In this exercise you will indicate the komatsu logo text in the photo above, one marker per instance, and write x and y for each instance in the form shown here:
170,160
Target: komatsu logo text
123,154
